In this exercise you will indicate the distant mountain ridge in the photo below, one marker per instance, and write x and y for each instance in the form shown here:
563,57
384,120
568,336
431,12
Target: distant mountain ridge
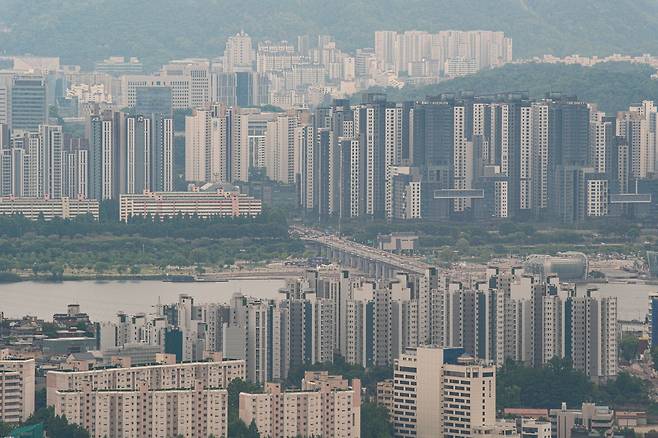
613,86
84,31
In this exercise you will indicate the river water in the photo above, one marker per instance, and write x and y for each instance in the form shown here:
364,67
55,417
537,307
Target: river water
102,299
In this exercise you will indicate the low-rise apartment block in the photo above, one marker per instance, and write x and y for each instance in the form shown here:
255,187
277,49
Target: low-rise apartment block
161,376
48,209
196,412
201,204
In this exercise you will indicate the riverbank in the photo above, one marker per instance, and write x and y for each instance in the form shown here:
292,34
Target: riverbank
173,277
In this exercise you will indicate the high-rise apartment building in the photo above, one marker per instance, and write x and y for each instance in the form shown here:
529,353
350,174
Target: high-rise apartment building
129,154
593,345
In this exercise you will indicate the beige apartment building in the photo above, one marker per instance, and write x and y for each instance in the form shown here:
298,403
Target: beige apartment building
158,401
163,376
437,394
384,398
196,412
325,406
16,388
469,397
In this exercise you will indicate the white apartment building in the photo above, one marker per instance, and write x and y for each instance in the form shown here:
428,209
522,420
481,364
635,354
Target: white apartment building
17,379
594,335
196,412
281,156
196,203
206,146
245,336
325,406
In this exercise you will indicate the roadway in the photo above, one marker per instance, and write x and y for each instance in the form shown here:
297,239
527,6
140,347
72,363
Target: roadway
364,252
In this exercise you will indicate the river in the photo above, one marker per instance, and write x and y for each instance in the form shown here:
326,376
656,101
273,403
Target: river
102,299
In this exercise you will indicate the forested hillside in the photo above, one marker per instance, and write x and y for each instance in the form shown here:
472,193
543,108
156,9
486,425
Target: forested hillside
613,86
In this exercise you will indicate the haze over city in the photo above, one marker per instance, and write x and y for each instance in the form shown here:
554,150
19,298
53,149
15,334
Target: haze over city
354,219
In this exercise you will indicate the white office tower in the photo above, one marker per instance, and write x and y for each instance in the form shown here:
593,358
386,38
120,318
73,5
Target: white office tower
198,73
17,379
206,146
245,335
439,394
239,53
594,335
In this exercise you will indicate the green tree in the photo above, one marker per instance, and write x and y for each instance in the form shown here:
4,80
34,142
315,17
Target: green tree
629,347
5,429
55,426
101,267
56,272
654,357
375,422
